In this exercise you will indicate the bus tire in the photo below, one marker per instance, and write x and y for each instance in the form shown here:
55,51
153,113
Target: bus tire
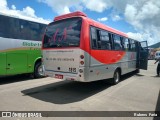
38,71
116,77
137,71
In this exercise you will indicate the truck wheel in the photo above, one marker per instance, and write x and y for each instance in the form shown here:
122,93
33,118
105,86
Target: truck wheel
38,71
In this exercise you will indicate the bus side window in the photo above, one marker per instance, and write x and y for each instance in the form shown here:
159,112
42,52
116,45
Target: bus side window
126,44
133,45
98,39
34,30
123,43
93,38
42,30
13,31
117,42
25,32
105,40
4,29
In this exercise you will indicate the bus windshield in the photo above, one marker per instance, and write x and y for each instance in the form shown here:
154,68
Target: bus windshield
64,33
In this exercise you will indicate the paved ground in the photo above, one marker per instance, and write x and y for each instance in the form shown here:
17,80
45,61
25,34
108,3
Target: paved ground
140,92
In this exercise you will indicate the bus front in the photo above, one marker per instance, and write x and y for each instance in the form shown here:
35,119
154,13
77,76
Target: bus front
62,56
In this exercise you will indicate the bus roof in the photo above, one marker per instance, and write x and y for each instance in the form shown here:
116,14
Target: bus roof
69,15
105,27
23,18
90,21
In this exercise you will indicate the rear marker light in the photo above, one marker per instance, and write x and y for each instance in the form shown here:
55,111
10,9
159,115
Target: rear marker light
80,70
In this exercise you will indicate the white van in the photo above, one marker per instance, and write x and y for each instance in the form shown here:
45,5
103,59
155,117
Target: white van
157,54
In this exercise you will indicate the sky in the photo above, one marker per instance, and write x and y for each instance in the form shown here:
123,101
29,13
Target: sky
140,19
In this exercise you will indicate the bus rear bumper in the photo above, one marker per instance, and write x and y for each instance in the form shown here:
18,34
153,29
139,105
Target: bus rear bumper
63,76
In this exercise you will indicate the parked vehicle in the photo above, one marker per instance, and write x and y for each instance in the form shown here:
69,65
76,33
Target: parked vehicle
78,48
20,46
157,54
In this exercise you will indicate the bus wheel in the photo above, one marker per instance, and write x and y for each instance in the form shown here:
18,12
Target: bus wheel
137,71
116,77
38,70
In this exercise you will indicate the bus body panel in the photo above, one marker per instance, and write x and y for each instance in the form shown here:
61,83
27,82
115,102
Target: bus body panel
63,63
16,63
3,63
33,56
18,56
62,60
106,70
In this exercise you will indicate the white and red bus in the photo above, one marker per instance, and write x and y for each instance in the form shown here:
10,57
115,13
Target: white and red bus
78,48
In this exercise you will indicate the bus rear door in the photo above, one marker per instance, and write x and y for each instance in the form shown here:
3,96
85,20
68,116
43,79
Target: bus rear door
143,55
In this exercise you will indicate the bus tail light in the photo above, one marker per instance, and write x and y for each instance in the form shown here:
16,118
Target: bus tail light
82,56
82,62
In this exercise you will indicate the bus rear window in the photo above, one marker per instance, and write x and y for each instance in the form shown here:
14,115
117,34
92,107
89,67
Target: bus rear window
64,33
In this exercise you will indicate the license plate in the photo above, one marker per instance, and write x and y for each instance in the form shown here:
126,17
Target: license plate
58,76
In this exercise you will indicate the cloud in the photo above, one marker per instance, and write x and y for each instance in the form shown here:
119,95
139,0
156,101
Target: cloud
95,5
102,19
27,13
62,6
116,18
59,6
3,4
13,7
135,36
143,15
145,18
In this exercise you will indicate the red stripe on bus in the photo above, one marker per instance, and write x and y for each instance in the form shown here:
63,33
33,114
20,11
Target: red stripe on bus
107,57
